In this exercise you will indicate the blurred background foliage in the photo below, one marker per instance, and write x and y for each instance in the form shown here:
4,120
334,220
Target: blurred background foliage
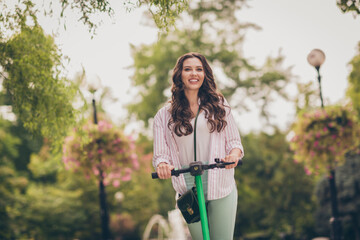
40,199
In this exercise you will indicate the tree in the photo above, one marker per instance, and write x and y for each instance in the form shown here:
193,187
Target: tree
57,203
54,203
202,29
275,194
10,182
104,152
163,13
348,187
40,97
353,90
349,6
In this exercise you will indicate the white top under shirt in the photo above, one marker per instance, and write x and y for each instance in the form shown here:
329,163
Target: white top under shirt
186,143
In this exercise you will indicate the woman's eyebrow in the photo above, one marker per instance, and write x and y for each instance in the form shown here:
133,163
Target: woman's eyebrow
199,66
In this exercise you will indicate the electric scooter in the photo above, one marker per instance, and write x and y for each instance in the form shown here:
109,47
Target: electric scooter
197,169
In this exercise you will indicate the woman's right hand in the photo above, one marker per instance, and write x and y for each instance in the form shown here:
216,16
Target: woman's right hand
164,170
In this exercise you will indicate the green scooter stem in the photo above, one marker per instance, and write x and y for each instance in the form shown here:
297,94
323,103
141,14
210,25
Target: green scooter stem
203,214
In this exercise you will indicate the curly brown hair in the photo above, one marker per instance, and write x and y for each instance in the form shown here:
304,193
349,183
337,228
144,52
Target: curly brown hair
212,101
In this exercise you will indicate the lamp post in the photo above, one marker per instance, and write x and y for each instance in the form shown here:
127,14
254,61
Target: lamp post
316,58
93,87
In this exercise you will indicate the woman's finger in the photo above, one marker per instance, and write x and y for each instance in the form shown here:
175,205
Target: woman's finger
164,171
230,158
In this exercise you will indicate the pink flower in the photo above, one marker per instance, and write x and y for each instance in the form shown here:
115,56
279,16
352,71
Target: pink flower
317,135
135,163
307,171
316,143
68,139
64,149
100,151
325,129
103,125
106,182
333,136
332,149
312,153
317,114
116,183
295,161
127,176
95,171
65,160
294,138
132,146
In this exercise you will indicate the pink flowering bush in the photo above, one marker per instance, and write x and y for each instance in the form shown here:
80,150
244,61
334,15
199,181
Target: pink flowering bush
104,150
324,136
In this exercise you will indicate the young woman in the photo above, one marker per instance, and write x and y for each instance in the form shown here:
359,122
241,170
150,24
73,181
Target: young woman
217,136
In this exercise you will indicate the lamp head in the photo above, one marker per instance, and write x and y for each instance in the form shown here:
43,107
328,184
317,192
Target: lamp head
316,58
94,84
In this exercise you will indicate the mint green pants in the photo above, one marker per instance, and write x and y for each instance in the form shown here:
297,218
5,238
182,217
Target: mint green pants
221,218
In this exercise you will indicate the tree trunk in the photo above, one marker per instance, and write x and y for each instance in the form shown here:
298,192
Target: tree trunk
355,223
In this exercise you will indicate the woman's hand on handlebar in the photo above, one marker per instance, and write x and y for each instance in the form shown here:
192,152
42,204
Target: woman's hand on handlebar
232,157
164,170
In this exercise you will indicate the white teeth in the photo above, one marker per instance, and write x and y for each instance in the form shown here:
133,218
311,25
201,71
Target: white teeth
194,80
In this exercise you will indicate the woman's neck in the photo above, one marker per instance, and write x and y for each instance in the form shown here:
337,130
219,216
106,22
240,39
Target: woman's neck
192,97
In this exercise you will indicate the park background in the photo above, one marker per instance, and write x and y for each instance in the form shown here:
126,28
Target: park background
263,72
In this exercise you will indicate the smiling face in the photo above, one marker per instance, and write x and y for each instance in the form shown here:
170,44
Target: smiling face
192,74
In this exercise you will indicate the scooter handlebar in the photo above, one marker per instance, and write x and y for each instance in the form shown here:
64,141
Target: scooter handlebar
218,164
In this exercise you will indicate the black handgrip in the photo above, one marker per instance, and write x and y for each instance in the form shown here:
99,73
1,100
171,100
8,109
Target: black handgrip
240,162
174,172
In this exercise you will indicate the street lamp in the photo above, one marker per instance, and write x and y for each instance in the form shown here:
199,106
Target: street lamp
93,86
316,58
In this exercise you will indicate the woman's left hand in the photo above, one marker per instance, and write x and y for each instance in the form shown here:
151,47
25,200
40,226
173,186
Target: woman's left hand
231,158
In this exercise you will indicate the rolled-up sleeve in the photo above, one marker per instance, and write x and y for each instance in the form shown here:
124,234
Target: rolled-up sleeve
161,147
232,136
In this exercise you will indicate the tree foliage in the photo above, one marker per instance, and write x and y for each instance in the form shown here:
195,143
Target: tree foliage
202,30
54,203
10,182
104,153
164,13
275,194
40,97
349,6
353,90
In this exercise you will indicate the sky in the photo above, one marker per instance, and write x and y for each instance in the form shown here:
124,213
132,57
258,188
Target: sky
292,26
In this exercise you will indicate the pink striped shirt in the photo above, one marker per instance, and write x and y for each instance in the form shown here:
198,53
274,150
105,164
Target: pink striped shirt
220,181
